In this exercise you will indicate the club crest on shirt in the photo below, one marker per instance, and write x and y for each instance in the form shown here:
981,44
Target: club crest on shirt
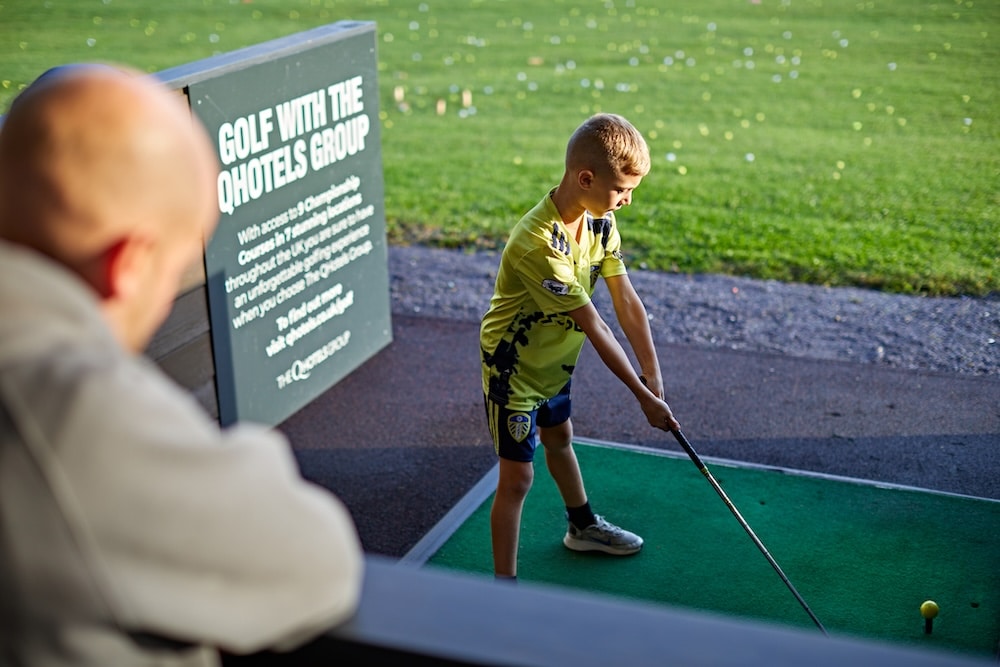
555,287
518,425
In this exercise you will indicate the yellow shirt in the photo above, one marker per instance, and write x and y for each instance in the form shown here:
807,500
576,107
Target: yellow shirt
529,345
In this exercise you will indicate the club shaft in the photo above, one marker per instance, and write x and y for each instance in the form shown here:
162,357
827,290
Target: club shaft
693,455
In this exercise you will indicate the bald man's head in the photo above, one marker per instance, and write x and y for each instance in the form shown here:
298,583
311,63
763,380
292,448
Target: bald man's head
90,152
94,158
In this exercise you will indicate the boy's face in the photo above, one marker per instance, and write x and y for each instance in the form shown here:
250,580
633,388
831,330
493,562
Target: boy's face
609,191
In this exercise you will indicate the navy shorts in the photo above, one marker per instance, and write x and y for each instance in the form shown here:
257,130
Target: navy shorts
515,432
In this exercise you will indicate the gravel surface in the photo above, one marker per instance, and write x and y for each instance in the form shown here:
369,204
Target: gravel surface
952,335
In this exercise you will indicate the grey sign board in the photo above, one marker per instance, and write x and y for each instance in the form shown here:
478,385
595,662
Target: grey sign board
297,272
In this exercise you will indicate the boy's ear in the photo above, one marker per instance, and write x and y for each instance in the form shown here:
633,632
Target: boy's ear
122,266
585,179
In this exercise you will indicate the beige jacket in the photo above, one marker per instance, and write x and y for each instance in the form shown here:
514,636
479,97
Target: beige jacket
125,511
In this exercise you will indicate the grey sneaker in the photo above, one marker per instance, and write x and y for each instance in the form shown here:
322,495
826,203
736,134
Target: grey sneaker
602,536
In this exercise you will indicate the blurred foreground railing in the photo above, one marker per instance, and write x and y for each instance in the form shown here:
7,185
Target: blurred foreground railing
411,616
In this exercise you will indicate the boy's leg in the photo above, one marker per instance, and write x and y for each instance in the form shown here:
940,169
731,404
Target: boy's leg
505,516
560,457
586,531
555,431
514,439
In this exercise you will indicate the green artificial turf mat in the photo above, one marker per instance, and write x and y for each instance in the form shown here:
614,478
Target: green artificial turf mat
863,556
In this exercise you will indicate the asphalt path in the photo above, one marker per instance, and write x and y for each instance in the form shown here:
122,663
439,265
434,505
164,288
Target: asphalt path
403,438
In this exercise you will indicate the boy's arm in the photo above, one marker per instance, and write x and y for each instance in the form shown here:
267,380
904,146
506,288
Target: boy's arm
657,412
632,317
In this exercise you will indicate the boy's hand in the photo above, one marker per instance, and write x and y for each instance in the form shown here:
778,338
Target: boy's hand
657,412
655,385
659,415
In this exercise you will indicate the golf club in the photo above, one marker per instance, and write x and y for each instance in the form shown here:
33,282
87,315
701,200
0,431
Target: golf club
739,517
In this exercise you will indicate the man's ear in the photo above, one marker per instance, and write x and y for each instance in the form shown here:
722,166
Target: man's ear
122,267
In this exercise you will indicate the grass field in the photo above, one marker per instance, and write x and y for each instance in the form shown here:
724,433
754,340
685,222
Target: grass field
824,141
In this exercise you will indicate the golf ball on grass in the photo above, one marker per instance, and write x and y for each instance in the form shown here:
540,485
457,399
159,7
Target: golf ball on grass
929,610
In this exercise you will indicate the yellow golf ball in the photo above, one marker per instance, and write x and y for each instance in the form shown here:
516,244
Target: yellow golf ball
929,609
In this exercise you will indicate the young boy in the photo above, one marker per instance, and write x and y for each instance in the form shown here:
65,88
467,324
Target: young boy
541,313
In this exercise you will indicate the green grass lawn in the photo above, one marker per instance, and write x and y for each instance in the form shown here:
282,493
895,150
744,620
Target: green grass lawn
842,142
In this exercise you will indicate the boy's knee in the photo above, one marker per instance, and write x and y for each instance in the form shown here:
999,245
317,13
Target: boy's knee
556,437
515,478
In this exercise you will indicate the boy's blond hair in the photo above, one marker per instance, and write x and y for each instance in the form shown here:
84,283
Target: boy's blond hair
608,141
